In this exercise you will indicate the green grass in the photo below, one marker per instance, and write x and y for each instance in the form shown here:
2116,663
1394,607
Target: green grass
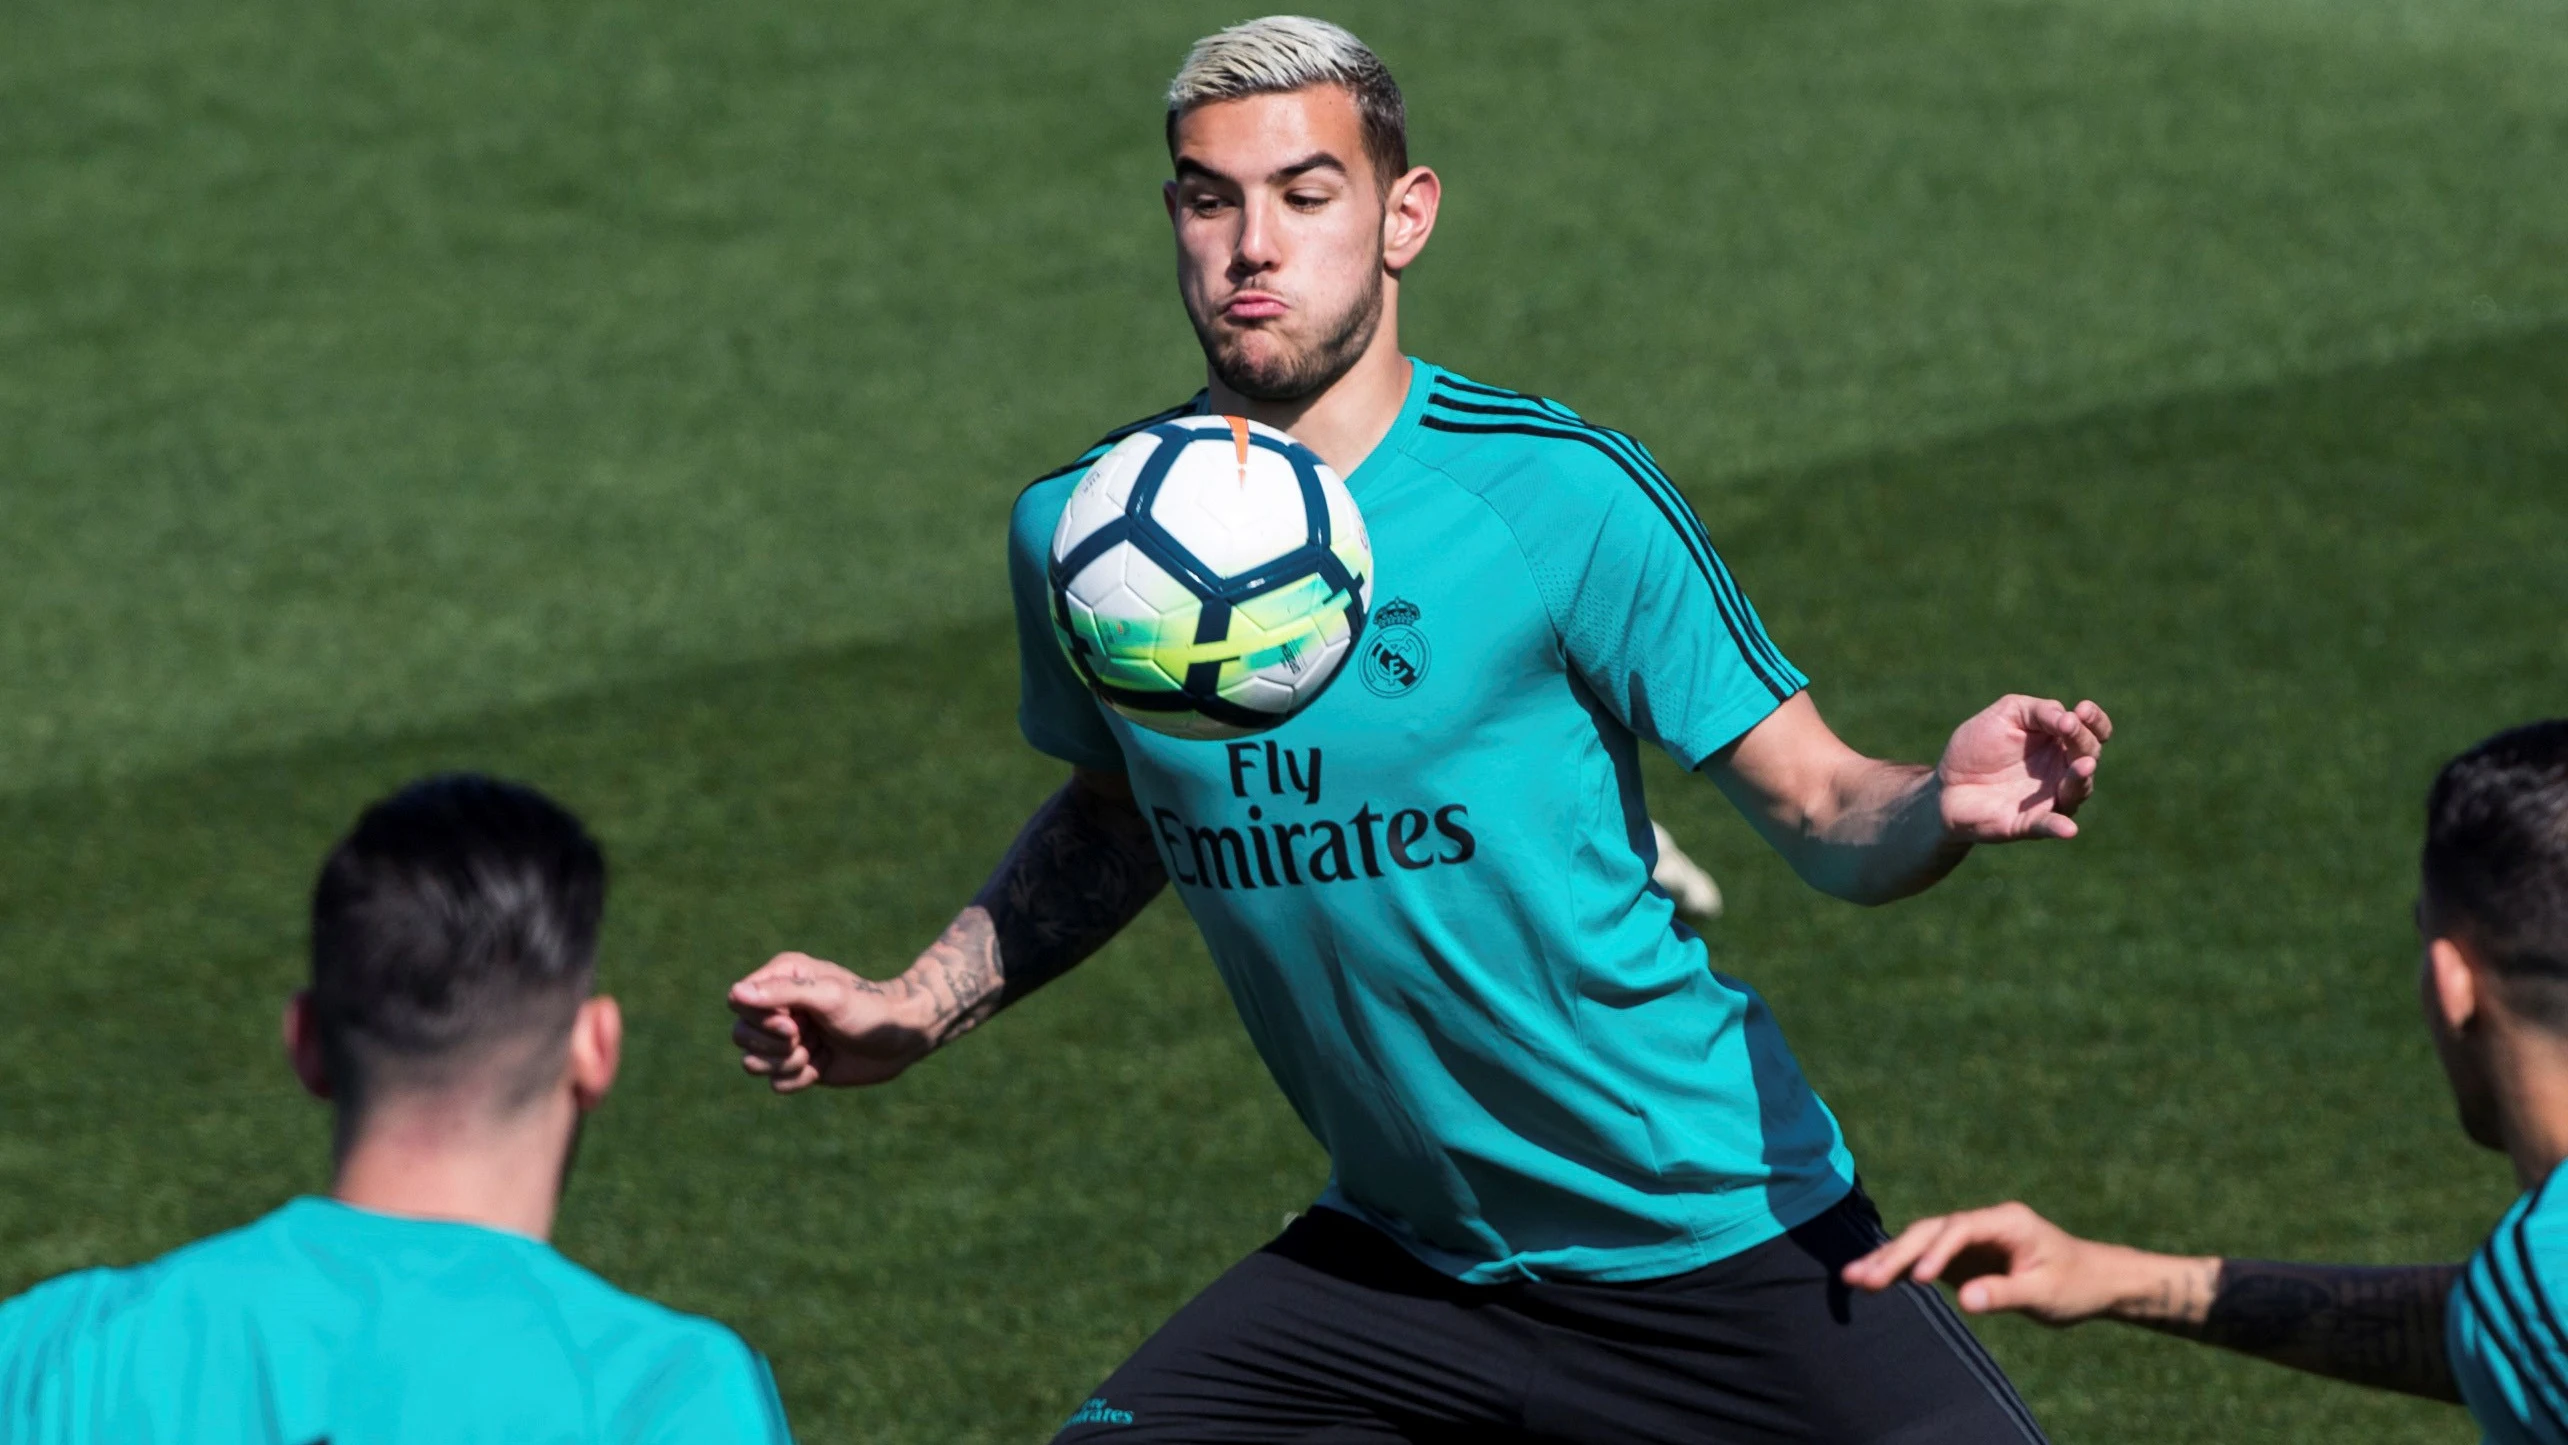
629,399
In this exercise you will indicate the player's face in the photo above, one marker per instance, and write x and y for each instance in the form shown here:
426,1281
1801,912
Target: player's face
1279,222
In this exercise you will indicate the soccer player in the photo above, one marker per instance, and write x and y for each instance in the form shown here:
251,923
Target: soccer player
1580,1190
2493,918
451,1025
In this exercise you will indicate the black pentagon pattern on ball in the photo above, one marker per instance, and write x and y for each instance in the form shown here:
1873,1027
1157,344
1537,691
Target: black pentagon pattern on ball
1218,594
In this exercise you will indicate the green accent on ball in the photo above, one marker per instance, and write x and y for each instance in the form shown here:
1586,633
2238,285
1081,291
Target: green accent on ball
1154,655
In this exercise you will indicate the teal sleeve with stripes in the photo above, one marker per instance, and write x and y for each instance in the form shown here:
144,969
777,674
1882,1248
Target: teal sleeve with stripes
2504,1329
1647,611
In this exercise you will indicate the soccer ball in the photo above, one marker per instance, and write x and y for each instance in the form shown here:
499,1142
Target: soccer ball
1209,576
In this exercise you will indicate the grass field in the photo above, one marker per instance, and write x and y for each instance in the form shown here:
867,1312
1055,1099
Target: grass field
629,399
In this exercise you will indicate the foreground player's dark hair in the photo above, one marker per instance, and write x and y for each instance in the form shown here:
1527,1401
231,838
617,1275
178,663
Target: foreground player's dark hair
460,915
2496,861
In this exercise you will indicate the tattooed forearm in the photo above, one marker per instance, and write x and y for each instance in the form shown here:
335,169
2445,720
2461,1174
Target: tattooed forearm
958,977
2373,1326
1081,869
1078,873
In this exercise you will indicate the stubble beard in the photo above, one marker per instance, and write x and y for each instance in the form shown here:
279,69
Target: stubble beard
1295,374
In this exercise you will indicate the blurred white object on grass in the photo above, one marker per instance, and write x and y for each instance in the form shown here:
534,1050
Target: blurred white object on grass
1696,895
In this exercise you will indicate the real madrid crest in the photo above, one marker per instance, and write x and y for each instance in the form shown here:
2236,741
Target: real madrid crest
1395,651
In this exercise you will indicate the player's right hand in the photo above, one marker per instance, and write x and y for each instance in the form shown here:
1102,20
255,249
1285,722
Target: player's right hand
805,1021
2003,1258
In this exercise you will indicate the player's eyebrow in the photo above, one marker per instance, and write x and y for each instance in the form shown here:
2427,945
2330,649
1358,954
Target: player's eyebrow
1315,161
1189,168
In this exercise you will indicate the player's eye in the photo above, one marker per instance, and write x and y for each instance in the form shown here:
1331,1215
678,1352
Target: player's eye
1307,200
1207,205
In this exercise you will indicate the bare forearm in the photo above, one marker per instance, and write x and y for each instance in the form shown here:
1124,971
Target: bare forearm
1871,833
1890,832
1081,869
2379,1326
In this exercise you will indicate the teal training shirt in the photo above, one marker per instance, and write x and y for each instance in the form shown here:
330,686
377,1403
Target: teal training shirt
1429,894
2506,1325
325,1322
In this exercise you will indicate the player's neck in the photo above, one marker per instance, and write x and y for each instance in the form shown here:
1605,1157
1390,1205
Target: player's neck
1346,420
2531,1078
435,1159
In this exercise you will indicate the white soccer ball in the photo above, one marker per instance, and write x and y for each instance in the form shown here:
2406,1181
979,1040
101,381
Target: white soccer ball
1209,577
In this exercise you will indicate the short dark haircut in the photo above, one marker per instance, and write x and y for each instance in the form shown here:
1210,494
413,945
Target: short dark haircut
459,915
2496,862
1284,53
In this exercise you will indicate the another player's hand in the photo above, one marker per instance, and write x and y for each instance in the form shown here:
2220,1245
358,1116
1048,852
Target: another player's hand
806,1021
2005,1258
2020,769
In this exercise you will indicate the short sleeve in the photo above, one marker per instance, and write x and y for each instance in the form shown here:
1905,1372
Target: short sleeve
2506,1361
41,1362
716,1392
1055,710
1649,616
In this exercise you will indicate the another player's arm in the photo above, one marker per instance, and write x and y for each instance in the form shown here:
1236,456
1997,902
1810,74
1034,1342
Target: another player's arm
1082,867
2372,1325
1871,831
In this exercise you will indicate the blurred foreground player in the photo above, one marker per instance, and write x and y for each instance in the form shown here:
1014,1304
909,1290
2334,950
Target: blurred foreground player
451,1025
2493,915
1580,1190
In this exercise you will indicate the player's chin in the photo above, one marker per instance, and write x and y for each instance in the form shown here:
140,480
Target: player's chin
1265,372
1255,345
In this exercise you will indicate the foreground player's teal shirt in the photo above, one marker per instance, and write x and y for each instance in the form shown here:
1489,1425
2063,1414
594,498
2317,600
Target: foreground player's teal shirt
2506,1327
1430,892
323,1322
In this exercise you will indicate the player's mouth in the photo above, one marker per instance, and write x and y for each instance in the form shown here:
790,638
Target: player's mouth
1254,306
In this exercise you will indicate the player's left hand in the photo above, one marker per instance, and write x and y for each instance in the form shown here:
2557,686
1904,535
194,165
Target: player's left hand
2020,769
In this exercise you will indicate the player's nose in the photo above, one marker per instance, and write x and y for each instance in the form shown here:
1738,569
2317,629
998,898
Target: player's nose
1255,248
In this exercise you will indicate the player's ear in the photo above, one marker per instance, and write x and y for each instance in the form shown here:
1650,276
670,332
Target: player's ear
597,1050
1409,216
2452,983
303,1052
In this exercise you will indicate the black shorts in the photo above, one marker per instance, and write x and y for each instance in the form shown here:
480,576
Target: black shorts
1335,1335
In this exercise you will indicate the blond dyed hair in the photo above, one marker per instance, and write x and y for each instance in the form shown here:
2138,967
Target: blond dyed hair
1283,53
